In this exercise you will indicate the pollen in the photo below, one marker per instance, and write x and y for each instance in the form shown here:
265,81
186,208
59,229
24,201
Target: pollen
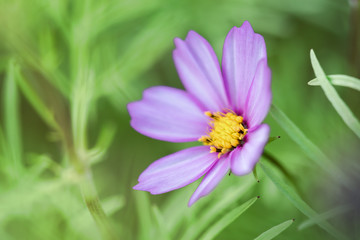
227,131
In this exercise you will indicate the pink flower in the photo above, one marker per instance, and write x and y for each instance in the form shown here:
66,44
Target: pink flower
222,108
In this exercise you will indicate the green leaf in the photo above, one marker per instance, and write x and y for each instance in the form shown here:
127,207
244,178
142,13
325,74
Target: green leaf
339,80
271,139
309,148
12,120
160,222
255,174
217,207
324,216
144,214
83,92
330,92
227,219
103,143
34,99
274,231
297,201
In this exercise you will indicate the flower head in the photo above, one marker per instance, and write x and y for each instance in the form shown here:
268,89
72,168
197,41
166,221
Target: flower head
222,108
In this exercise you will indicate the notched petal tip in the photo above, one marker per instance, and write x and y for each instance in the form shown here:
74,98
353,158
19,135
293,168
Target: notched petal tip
191,201
192,34
246,24
178,42
242,51
211,179
152,191
176,170
138,187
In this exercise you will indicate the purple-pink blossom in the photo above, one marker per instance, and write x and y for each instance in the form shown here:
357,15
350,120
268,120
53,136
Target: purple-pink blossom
222,108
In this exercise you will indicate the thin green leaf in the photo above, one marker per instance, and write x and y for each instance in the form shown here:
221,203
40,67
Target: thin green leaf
297,201
309,148
36,102
274,231
113,204
162,233
255,174
339,80
227,219
103,143
341,108
11,119
216,208
83,92
324,216
271,139
144,214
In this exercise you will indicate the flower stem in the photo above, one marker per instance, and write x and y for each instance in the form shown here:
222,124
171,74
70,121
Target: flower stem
91,199
88,190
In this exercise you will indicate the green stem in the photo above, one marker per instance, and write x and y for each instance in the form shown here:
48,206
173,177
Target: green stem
89,192
91,199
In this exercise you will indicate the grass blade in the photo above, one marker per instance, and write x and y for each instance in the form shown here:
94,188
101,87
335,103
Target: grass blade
309,148
341,108
297,201
339,80
274,231
227,219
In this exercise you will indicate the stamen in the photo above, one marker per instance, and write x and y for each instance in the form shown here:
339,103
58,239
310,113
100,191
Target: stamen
227,131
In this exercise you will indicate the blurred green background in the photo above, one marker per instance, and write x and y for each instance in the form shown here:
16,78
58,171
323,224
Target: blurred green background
68,69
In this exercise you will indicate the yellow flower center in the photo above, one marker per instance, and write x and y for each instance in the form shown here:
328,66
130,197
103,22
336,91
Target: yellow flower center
227,131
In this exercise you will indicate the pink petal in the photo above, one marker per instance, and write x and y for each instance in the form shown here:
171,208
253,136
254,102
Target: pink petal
259,98
199,71
211,179
176,170
243,49
243,159
168,114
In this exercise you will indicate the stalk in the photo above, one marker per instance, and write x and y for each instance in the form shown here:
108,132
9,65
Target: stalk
90,196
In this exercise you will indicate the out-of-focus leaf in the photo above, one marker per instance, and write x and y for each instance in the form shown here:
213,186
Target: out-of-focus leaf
341,108
111,13
144,215
274,231
297,201
216,208
36,102
227,219
310,149
339,80
12,120
162,233
323,216
82,97
113,204
149,44
104,141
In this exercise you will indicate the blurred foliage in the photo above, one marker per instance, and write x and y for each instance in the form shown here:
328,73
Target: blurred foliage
68,69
